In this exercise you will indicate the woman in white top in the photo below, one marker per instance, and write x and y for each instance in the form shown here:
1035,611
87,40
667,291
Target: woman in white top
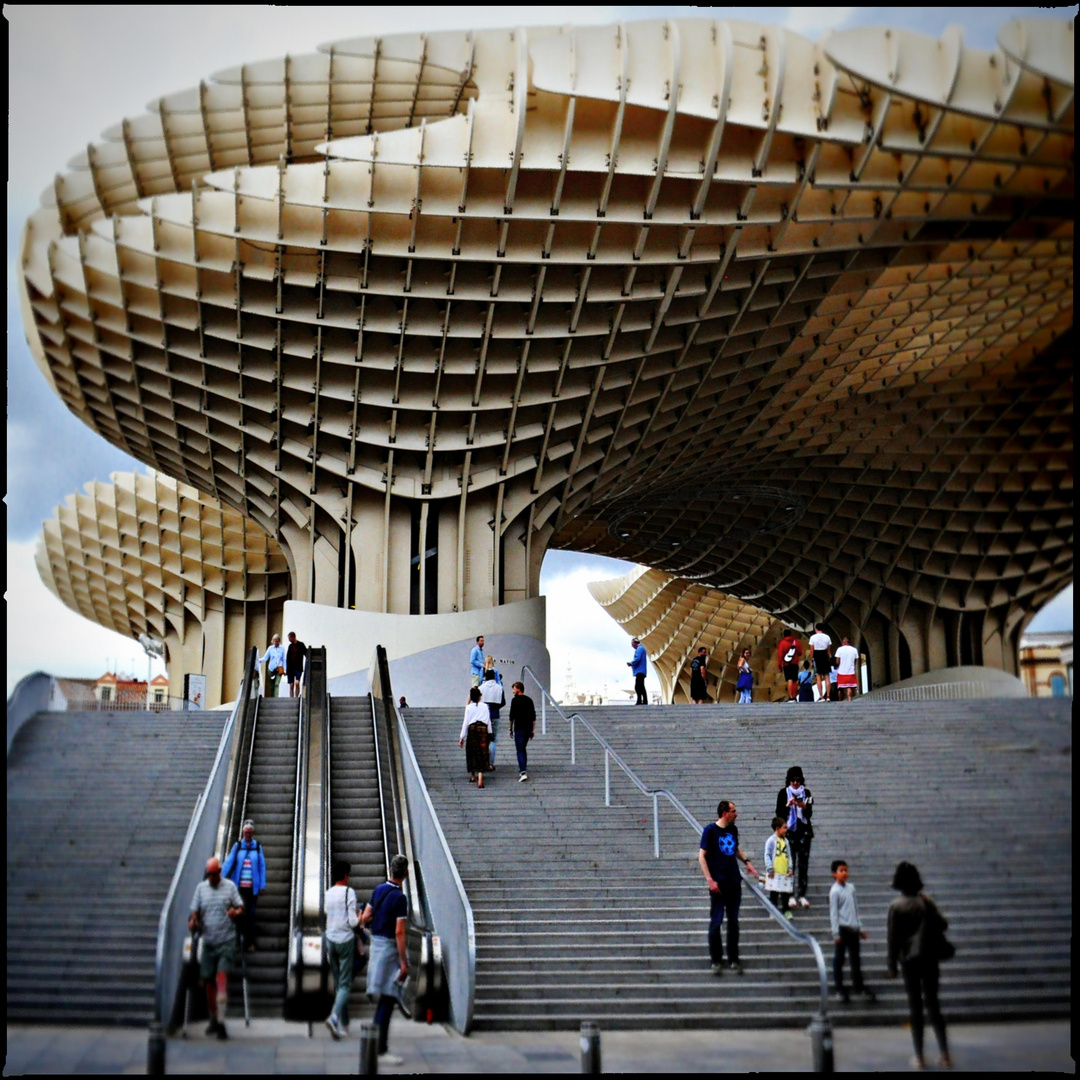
475,733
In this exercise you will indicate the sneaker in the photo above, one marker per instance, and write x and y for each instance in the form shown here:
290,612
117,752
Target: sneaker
222,1034
788,915
332,1023
386,1058
803,902
211,1028
736,967
523,776
717,969
792,903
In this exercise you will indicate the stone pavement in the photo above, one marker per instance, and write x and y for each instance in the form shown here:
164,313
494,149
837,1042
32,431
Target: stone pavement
272,1046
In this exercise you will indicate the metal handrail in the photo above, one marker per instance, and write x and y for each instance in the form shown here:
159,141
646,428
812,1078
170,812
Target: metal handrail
379,777
295,889
654,793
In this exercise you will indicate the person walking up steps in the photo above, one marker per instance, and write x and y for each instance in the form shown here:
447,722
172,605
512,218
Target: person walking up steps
821,645
788,656
475,732
522,725
494,697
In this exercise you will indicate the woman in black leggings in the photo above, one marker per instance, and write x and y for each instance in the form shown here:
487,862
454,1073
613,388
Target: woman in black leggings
907,913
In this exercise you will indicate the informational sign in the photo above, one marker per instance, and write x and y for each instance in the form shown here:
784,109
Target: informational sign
194,692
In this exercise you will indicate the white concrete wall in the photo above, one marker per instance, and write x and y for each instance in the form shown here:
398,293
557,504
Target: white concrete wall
428,654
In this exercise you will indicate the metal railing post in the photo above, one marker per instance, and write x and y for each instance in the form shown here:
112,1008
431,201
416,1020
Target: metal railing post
590,1046
543,711
369,1049
656,826
155,1050
607,778
573,743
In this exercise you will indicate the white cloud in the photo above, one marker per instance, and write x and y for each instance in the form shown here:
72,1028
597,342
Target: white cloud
812,21
582,634
44,635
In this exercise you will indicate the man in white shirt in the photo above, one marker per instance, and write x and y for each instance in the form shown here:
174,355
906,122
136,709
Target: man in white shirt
821,643
341,920
846,676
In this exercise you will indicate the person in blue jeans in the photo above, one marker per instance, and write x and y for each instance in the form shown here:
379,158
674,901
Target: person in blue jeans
388,964
638,667
719,859
522,725
341,919
494,697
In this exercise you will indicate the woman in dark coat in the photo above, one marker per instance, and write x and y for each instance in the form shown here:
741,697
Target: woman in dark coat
915,924
795,804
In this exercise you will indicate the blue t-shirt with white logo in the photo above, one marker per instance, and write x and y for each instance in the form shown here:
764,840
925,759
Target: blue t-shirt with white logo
720,846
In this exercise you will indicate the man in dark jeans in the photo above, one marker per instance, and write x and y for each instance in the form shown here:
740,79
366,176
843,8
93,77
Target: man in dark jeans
717,859
522,725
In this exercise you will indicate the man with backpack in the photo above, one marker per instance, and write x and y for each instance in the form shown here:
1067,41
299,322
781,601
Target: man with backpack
245,867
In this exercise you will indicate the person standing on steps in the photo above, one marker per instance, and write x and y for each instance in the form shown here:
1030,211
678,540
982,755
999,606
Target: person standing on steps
821,646
494,697
388,964
795,805
698,688
744,685
245,867
788,655
718,858
522,725
847,677
476,661
638,667
341,921
915,925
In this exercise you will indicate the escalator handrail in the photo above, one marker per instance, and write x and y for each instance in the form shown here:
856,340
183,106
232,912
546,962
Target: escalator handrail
379,777
316,838
166,983
299,809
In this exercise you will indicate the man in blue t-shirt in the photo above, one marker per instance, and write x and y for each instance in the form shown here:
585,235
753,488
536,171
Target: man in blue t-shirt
717,858
637,667
388,964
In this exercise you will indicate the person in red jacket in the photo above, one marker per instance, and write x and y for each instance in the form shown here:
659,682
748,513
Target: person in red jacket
788,654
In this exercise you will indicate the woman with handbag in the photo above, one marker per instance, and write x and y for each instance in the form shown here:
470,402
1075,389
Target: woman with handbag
475,732
744,685
917,940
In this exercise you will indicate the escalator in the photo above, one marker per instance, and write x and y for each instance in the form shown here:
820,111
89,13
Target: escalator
269,800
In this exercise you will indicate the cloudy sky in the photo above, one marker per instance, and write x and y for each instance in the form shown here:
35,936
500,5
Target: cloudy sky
64,90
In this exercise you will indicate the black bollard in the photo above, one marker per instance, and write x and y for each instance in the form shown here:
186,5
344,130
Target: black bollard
821,1042
369,1049
590,1046
155,1050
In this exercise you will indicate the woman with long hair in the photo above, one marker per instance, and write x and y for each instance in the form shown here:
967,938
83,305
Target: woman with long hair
494,697
744,685
916,927
475,733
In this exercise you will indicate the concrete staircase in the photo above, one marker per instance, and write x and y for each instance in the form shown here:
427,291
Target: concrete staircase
270,804
98,805
575,919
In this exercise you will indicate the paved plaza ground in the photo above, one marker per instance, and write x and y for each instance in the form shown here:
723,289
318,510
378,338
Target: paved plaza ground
271,1046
